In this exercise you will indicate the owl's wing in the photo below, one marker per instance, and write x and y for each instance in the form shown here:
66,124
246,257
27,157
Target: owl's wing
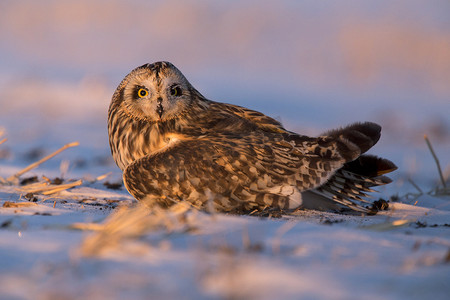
262,121
235,174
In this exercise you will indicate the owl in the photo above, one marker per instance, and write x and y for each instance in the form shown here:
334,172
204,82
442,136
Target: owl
173,145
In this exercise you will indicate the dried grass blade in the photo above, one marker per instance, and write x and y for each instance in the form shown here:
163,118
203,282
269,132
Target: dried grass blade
389,225
436,160
101,177
62,187
18,204
34,165
46,189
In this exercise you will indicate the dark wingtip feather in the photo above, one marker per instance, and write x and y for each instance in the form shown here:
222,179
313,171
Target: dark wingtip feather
363,135
370,166
381,180
372,130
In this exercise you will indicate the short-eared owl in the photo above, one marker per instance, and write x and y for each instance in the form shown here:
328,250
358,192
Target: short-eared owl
173,144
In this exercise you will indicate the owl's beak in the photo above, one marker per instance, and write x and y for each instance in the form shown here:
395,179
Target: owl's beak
159,108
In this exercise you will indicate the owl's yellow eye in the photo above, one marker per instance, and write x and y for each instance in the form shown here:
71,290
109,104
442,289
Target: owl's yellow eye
142,93
175,91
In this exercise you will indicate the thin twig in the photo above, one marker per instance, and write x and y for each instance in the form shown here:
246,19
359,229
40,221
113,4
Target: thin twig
34,165
50,189
436,160
18,204
101,177
63,187
3,140
415,185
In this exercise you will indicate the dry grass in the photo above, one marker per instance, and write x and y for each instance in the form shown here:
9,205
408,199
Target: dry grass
44,187
438,191
14,178
9,204
131,223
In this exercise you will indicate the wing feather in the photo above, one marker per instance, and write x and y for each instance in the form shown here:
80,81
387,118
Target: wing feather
243,174
262,121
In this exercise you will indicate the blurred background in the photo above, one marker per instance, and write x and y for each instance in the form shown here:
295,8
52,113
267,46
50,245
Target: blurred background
313,65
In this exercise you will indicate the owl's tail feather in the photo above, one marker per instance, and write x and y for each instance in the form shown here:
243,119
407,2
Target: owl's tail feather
350,185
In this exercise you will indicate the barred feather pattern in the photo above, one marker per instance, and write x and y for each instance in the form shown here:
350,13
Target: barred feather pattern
227,157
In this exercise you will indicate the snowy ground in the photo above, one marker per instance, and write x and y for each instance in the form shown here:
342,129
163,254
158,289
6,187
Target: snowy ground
53,249
313,65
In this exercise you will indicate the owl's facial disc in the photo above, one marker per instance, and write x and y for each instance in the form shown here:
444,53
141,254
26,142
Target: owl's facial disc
157,96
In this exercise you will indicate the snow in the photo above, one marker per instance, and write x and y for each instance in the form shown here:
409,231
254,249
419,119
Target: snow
347,257
374,60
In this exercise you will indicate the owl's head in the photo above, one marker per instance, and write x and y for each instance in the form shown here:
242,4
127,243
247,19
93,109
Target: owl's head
154,92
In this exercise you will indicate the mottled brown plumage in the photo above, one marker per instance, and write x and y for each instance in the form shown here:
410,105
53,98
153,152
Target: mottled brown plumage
173,144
